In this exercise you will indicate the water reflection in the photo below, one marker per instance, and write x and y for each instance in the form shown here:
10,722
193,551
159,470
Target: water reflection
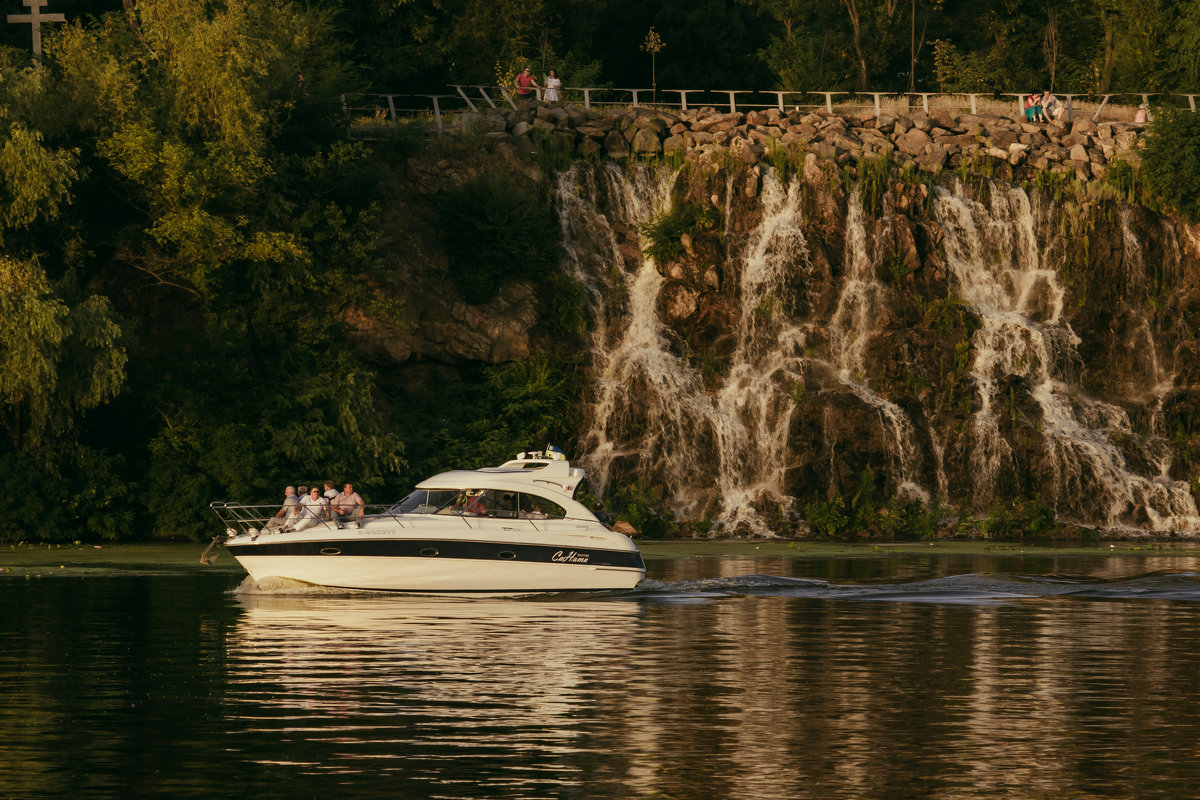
738,679
405,679
769,688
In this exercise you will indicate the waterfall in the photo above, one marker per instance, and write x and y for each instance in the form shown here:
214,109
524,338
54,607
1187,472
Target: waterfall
861,302
627,342
997,263
721,432
651,405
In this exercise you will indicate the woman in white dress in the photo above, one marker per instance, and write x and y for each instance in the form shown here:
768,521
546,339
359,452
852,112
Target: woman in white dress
552,85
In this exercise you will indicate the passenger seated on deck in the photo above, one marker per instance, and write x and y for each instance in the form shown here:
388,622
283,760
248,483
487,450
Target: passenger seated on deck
313,509
348,506
286,515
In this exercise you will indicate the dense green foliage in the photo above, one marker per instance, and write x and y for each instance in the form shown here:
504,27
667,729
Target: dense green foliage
921,45
181,230
495,229
664,235
1171,162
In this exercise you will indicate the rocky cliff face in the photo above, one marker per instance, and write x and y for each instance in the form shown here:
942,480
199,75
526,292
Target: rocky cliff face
822,333
962,343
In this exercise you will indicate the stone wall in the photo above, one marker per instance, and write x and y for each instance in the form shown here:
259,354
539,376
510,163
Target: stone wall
932,142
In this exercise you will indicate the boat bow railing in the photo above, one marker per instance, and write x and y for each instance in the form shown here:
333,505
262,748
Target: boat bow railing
257,520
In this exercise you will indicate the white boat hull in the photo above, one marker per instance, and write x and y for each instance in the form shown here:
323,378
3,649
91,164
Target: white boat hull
446,556
418,576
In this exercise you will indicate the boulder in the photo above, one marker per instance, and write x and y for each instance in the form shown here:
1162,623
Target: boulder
963,140
1083,125
616,146
934,160
553,114
648,122
1001,137
646,142
824,150
594,131
717,122
915,142
588,148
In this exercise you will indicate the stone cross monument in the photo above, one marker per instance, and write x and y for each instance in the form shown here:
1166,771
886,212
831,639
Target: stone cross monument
35,17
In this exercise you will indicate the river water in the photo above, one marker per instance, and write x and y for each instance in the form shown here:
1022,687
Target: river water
923,676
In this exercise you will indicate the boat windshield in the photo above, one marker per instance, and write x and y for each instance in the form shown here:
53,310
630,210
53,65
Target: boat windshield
423,501
502,504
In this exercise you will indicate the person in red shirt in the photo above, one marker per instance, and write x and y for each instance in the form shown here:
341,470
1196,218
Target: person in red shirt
526,84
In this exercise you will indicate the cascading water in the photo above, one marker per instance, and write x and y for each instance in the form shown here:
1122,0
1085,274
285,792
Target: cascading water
653,405
859,305
626,341
721,445
994,254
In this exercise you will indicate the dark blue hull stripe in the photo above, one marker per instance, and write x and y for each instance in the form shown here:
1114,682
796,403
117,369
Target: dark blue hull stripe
441,548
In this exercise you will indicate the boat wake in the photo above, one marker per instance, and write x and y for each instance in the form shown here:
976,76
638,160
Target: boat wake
289,587
969,589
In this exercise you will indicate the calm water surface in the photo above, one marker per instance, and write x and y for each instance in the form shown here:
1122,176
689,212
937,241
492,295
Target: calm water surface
765,679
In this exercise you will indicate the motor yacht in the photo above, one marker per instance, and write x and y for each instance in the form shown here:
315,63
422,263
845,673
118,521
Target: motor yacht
507,530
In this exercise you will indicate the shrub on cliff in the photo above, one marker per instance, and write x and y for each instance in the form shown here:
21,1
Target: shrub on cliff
495,229
664,236
1171,162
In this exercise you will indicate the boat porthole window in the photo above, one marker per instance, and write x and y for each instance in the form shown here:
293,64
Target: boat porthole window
507,554
330,551
429,551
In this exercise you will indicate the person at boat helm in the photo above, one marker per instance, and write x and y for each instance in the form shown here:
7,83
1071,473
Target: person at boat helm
348,506
606,519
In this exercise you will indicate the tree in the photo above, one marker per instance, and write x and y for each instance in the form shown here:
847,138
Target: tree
204,190
1051,45
652,45
1171,161
56,362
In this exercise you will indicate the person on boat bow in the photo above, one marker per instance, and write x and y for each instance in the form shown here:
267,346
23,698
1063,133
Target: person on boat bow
284,518
348,506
